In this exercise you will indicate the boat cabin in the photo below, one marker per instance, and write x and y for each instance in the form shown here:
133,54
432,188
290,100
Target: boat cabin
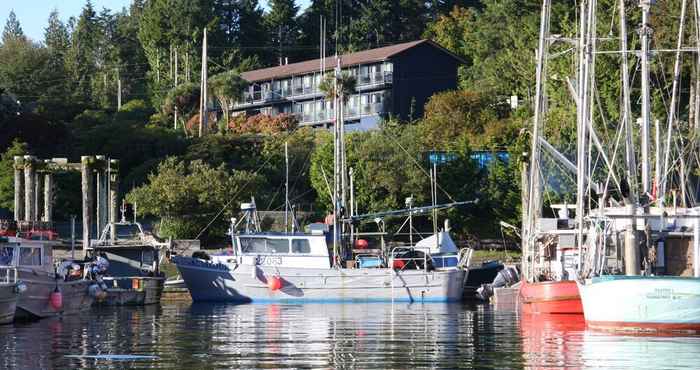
28,254
288,250
129,250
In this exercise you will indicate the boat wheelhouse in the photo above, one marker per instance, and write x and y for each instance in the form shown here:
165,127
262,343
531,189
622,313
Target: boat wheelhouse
133,276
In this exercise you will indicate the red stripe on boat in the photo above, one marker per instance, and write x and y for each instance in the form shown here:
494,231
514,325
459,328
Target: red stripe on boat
642,326
558,297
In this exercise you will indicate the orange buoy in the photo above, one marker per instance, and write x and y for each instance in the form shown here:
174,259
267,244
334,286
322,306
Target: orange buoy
56,299
399,264
361,244
274,283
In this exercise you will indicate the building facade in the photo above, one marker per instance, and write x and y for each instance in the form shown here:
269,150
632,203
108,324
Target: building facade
395,81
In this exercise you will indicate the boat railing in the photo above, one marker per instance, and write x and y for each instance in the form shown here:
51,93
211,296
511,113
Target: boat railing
400,263
8,274
465,257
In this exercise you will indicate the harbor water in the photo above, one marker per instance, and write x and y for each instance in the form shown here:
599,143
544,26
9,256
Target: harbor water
364,336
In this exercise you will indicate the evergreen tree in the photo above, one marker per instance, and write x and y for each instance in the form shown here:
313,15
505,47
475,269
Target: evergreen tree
282,27
239,34
13,30
310,28
385,22
83,53
53,100
56,36
131,62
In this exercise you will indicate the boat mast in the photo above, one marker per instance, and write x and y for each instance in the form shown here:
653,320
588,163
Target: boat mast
631,170
336,166
534,208
584,111
286,187
644,32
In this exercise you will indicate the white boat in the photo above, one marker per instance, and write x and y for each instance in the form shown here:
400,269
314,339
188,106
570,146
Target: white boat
282,267
642,303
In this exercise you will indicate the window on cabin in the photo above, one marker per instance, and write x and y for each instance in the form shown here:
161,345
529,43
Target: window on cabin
6,256
301,246
253,245
30,256
278,245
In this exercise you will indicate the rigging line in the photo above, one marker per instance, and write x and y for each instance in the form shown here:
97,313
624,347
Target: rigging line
611,168
293,199
416,163
232,198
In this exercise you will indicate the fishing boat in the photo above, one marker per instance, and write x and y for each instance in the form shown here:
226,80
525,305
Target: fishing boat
10,289
289,267
548,244
132,275
551,288
638,241
48,292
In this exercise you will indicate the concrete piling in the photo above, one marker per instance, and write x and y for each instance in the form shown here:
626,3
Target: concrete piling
113,190
48,197
86,184
29,188
19,188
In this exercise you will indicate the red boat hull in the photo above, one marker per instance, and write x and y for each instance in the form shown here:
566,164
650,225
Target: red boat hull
550,297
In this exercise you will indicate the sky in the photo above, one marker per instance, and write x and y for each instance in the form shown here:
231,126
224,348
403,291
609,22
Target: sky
33,15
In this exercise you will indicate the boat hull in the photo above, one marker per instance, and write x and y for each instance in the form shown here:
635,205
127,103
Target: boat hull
8,302
642,303
148,291
249,283
550,297
34,303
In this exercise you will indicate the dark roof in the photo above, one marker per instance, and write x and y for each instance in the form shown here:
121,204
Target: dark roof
360,57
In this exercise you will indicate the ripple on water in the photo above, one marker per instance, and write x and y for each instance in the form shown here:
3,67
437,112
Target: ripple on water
375,335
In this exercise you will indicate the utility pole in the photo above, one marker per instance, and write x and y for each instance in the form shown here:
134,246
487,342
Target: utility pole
203,95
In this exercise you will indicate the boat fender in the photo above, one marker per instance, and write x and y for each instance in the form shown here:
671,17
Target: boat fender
96,292
274,283
56,299
20,288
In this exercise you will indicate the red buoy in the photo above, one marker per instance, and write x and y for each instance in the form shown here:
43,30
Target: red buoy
399,264
361,244
274,283
56,299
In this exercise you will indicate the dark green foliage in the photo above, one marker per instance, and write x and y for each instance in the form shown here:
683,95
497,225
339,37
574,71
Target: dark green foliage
13,30
187,195
7,173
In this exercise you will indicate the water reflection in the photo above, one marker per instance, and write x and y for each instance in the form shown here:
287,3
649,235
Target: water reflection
329,335
564,341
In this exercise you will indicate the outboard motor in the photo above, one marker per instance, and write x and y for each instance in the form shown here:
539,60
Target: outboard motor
504,278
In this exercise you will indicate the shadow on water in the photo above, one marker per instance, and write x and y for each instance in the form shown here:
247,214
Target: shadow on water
358,335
